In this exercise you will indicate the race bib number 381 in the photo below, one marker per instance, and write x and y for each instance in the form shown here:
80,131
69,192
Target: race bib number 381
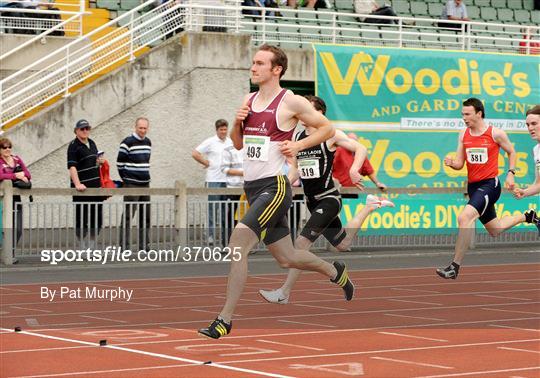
477,155
256,147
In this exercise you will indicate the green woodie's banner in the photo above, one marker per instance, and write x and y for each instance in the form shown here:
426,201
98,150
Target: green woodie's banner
416,95
416,159
423,88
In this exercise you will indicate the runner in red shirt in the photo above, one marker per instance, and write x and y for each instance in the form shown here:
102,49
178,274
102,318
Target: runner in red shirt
343,159
478,147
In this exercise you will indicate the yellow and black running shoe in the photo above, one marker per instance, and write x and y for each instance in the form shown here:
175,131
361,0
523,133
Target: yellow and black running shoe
450,272
342,279
216,329
532,217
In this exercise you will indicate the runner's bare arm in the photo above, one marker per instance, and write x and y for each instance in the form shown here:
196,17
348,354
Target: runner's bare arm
531,190
302,110
458,161
237,132
293,174
504,142
360,153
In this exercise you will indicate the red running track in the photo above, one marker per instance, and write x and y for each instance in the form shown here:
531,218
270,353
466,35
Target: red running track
402,323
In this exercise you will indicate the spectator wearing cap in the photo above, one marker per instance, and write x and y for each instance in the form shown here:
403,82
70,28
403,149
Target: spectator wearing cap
133,163
84,173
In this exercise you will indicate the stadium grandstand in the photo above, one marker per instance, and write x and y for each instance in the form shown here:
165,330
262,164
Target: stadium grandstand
128,28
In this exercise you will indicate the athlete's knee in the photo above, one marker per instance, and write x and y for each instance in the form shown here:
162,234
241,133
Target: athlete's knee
285,262
494,229
302,242
464,220
494,232
342,247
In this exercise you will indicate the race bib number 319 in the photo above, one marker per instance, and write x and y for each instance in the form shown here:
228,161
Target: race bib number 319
477,155
308,168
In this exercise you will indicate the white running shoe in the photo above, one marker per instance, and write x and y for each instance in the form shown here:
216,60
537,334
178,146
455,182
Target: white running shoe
274,296
378,201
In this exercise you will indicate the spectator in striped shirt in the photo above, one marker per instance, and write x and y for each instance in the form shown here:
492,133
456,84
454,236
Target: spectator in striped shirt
84,173
133,165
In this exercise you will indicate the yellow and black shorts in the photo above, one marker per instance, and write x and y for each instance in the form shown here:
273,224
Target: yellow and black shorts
269,201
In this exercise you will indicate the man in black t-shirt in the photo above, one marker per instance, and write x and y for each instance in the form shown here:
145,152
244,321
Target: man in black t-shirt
84,173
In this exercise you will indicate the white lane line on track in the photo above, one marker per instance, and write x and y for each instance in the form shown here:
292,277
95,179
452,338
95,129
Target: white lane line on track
323,307
412,363
441,295
100,318
520,350
309,324
475,373
151,354
502,297
415,290
412,336
30,309
419,302
327,355
416,317
103,371
292,345
517,328
279,276
515,311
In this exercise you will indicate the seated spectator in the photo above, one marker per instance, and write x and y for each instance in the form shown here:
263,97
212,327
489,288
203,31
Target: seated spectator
262,4
315,4
454,10
529,47
251,3
372,8
12,26
48,5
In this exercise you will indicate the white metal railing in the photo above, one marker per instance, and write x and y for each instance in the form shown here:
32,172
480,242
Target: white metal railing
57,73
54,74
65,25
180,216
23,20
290,27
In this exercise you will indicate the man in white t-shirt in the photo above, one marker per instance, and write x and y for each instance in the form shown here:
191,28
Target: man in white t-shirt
209,154
454,10
232,164
372,7
533,125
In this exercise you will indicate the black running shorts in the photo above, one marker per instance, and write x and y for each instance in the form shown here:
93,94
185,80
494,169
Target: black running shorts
482,196
269,202
324,219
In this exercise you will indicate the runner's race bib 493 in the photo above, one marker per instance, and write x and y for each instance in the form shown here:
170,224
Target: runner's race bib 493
256,147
